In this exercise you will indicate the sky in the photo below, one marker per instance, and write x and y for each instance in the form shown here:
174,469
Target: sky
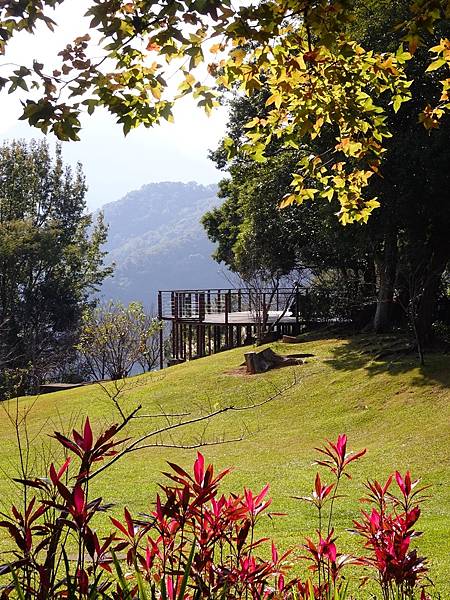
114,164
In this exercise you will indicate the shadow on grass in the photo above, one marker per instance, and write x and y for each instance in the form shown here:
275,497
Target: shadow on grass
391,354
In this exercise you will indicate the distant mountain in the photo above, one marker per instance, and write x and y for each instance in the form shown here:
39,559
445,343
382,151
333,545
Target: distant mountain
157,242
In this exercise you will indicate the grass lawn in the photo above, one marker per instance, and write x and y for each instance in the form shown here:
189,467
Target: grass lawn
399,411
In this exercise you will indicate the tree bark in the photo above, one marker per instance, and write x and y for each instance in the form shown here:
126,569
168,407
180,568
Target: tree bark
386,266
426,301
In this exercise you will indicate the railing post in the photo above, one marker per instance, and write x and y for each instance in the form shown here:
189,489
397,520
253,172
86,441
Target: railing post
188,305
175,339
201,327
175,305
227,311
239,329
201,307
161,333
264,315
307,303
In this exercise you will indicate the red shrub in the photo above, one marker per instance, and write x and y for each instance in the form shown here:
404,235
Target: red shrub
198,544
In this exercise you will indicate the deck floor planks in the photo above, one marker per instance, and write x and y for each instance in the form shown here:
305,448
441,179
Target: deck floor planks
245,317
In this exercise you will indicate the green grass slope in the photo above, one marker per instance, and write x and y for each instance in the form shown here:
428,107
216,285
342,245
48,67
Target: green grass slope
399,411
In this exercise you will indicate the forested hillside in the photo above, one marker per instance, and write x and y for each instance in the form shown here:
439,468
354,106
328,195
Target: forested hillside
157,242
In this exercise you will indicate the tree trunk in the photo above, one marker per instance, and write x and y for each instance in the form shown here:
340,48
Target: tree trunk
426,302
386,266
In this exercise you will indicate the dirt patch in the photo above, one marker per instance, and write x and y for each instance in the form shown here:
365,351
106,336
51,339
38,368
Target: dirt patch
238,372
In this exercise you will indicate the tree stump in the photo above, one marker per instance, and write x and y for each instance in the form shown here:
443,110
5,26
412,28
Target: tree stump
260,362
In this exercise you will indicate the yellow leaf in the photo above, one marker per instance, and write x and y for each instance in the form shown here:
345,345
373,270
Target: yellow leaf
436,64
373,204
238,55
252,123
288,200
156,92
276,99
215,48
328,194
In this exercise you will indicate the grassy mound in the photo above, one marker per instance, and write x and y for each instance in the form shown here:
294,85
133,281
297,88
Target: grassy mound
399,411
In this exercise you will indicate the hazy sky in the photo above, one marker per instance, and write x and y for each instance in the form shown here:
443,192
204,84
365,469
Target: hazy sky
113,164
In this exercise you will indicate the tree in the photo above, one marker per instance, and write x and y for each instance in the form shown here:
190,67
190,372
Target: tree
321,82
410,232
51,259
249,226
407,235
299,242
114,338
151,345
252,234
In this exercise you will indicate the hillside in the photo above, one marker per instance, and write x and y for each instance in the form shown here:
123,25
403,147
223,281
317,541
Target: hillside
157,242
398,411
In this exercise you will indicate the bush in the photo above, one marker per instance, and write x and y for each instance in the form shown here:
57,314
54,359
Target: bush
198,543
115,338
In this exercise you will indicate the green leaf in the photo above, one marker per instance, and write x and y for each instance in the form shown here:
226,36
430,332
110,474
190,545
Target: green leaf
187,572
142,591
163,589
71,587
18,587
120,576
397,102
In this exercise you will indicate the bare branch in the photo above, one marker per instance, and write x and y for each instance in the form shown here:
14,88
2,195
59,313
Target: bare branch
278,392
163,414
157,432
140,444
201,444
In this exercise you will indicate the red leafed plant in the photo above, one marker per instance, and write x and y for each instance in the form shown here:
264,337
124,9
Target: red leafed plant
193,529
388,530
196,543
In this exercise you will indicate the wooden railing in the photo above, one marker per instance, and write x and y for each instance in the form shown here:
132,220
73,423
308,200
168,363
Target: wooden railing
194,305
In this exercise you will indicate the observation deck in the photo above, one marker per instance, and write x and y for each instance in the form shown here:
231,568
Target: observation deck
205,321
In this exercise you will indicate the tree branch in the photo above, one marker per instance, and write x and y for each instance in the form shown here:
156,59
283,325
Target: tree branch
138,444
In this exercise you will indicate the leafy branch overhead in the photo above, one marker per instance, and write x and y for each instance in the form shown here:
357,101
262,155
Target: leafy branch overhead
320,82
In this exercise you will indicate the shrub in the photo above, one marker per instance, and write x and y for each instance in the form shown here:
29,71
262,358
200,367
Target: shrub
197,543
115,338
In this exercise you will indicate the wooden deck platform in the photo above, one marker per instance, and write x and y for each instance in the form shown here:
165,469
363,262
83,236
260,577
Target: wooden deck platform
243,317
204,322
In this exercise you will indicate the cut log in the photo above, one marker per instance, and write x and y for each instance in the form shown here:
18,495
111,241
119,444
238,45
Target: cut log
260,362
251,362
290,339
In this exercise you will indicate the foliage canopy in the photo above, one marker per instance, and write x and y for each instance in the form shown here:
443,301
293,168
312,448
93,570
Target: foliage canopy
320,80
402,252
